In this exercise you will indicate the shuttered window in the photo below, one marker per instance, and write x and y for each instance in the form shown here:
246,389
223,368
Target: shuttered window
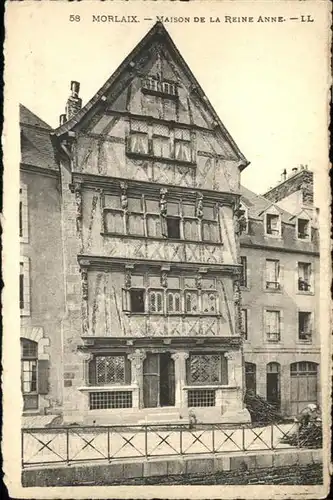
34,374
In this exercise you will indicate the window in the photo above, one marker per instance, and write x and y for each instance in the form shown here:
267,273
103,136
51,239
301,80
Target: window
173,301
272,274
109,370
304,276
303,229
304,326
272,325
200,398
138,140
161,141
243,276
154,85
207,369
157,141
23,214
273,224
24,287
155,301
135,217
142,217
137,301
179,295
29,365
244,323
173,227
210,228
110,400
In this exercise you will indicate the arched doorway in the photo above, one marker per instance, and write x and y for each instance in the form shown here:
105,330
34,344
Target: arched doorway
303,385
251,377
273,392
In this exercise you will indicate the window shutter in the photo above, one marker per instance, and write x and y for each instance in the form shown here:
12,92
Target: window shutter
43,376
224,370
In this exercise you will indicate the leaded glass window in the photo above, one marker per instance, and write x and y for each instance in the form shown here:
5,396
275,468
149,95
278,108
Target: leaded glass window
110,370
204,369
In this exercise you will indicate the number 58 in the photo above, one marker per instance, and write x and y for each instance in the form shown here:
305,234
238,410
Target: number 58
74,18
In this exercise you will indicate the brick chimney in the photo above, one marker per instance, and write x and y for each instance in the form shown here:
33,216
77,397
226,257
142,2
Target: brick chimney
303,182
74,102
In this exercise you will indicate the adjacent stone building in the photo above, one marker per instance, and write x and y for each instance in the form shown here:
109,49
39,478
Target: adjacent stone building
280,293
142,239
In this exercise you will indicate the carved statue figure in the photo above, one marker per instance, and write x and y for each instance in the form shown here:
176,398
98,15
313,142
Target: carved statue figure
123,196
164,279
163,202
84,281
128,278
199,206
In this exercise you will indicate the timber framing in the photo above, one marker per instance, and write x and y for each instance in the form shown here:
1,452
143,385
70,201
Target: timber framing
112,185
104,263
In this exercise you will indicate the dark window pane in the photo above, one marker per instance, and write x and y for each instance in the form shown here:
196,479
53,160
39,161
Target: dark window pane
173,226
137,301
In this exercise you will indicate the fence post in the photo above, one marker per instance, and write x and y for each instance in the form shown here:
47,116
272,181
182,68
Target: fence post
22,448
243,438
108,437
181,441
272,436
213,439
146,441
67,446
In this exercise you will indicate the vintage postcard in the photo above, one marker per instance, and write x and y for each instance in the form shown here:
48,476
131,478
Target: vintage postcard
166,249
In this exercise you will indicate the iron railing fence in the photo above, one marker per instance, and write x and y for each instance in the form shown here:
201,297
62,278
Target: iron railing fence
74,444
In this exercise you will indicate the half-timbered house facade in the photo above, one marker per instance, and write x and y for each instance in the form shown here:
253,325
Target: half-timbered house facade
150,199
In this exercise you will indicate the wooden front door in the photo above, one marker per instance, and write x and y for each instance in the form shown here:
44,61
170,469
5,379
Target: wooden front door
303,385
151,381
158,380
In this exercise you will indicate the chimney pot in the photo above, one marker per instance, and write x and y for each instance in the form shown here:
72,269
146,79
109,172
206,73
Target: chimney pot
75,88
62,119
283,175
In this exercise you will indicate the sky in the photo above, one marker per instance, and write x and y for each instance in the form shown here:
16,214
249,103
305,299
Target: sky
267,81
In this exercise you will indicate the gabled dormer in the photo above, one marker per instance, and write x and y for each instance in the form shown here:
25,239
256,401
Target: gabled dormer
272,221
302,225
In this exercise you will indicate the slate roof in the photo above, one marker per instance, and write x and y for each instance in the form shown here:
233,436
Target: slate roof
36,145
256,204
158,31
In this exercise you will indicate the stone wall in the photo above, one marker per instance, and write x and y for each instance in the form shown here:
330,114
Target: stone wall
284,467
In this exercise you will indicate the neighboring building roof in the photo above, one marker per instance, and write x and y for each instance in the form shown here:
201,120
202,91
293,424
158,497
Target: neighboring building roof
158,31
257,204
36,144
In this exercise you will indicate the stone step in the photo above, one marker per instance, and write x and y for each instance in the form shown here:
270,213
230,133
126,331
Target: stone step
157,418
